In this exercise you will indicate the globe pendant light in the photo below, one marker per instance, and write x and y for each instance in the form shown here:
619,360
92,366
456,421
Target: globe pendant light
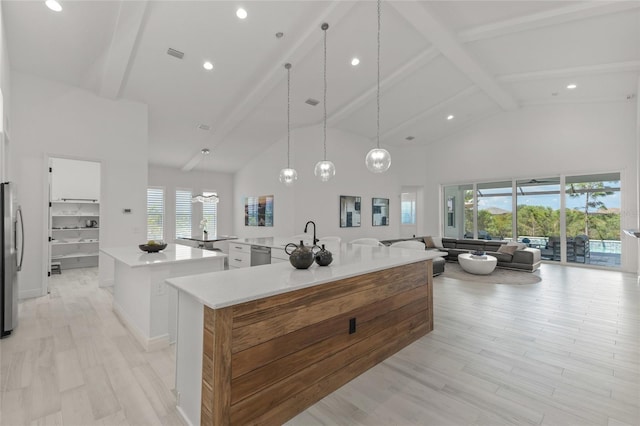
378,160
288,176
324,169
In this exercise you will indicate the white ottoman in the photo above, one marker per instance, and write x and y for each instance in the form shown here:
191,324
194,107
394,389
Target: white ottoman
478,266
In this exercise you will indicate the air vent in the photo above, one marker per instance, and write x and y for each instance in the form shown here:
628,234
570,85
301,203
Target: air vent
175,53
410,138
204,127
312,102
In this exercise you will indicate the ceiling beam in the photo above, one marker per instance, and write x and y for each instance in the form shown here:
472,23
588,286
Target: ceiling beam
387,83
432,110
425,22
125,35
612,68
303,46
546,18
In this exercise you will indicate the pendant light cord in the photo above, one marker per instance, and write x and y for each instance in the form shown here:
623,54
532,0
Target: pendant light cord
324,102
378,91
288,67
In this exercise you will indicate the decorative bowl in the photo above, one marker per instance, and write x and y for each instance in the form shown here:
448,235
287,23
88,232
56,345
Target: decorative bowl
154,248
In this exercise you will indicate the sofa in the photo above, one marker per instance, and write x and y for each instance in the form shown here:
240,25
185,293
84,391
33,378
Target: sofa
438,262
522,259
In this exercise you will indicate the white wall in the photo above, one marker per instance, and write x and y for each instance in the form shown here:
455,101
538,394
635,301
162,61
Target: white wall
171,179
53,119
534,142
311,199
5,96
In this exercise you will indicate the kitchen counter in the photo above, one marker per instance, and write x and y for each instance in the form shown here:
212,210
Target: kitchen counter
258,345
142,300
242,285
133,257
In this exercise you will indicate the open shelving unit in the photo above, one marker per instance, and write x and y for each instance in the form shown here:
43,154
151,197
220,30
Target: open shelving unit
74,244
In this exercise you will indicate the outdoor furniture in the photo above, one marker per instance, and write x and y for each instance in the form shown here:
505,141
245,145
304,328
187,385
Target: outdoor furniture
581,248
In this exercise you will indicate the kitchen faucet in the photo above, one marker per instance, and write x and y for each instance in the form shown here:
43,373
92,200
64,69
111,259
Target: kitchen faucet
315,240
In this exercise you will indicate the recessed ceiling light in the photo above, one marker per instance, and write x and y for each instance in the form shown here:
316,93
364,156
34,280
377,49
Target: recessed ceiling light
410,138
207,66
279,34
355,61
572,86
450,117
241,13
53,5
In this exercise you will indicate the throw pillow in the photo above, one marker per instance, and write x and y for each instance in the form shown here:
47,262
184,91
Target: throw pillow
428,242
507,249
437,241
519,246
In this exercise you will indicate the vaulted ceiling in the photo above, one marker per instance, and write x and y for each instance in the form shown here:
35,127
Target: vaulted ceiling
468,59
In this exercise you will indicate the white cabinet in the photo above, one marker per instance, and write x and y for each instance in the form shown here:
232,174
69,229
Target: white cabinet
74,234
278,255
239,255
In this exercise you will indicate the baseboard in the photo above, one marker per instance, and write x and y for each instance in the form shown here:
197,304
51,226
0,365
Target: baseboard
106,283
29,294
184,417
149,344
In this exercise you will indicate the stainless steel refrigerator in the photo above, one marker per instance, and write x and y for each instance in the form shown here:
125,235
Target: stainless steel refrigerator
12,237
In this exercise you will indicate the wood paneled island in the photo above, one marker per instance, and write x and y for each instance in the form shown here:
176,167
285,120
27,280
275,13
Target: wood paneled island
261,344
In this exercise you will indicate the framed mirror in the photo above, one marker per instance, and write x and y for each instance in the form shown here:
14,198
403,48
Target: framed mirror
350,211
380,211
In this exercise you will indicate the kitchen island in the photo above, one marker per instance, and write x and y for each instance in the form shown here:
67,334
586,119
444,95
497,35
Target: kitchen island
142,300
258,345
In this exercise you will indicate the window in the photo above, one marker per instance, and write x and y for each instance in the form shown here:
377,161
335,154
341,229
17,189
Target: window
183,213
408,208
573,219
155,214
210,214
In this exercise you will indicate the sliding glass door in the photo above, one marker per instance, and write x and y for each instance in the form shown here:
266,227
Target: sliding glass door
538,215
593,219
574,219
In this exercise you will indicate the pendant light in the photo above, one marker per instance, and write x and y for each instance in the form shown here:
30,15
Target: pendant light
201,198
288,176
378,160
325,170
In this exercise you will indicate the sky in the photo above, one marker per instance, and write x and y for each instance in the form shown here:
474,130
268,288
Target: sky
551,200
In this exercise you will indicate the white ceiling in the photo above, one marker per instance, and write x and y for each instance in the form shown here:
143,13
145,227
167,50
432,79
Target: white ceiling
471,59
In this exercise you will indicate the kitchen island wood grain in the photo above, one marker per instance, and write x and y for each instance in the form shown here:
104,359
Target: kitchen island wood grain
266,359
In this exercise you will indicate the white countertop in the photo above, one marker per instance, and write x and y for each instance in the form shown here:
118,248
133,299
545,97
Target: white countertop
173,253
273,242
227,288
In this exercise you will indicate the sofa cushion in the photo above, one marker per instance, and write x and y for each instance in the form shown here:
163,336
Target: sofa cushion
449,243
502,257
428,242
507,249
519,246
470,245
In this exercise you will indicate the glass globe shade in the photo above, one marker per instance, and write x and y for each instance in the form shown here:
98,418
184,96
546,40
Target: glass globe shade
378,160
288,176
325,170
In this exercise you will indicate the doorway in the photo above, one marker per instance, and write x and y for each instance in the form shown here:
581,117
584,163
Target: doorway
73,214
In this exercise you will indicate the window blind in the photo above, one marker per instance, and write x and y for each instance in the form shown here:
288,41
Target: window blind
155,213
183,213
210,213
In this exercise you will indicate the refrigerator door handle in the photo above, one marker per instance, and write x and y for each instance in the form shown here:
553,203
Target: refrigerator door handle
19,216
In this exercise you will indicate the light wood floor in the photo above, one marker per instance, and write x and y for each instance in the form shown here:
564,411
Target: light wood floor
564,351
